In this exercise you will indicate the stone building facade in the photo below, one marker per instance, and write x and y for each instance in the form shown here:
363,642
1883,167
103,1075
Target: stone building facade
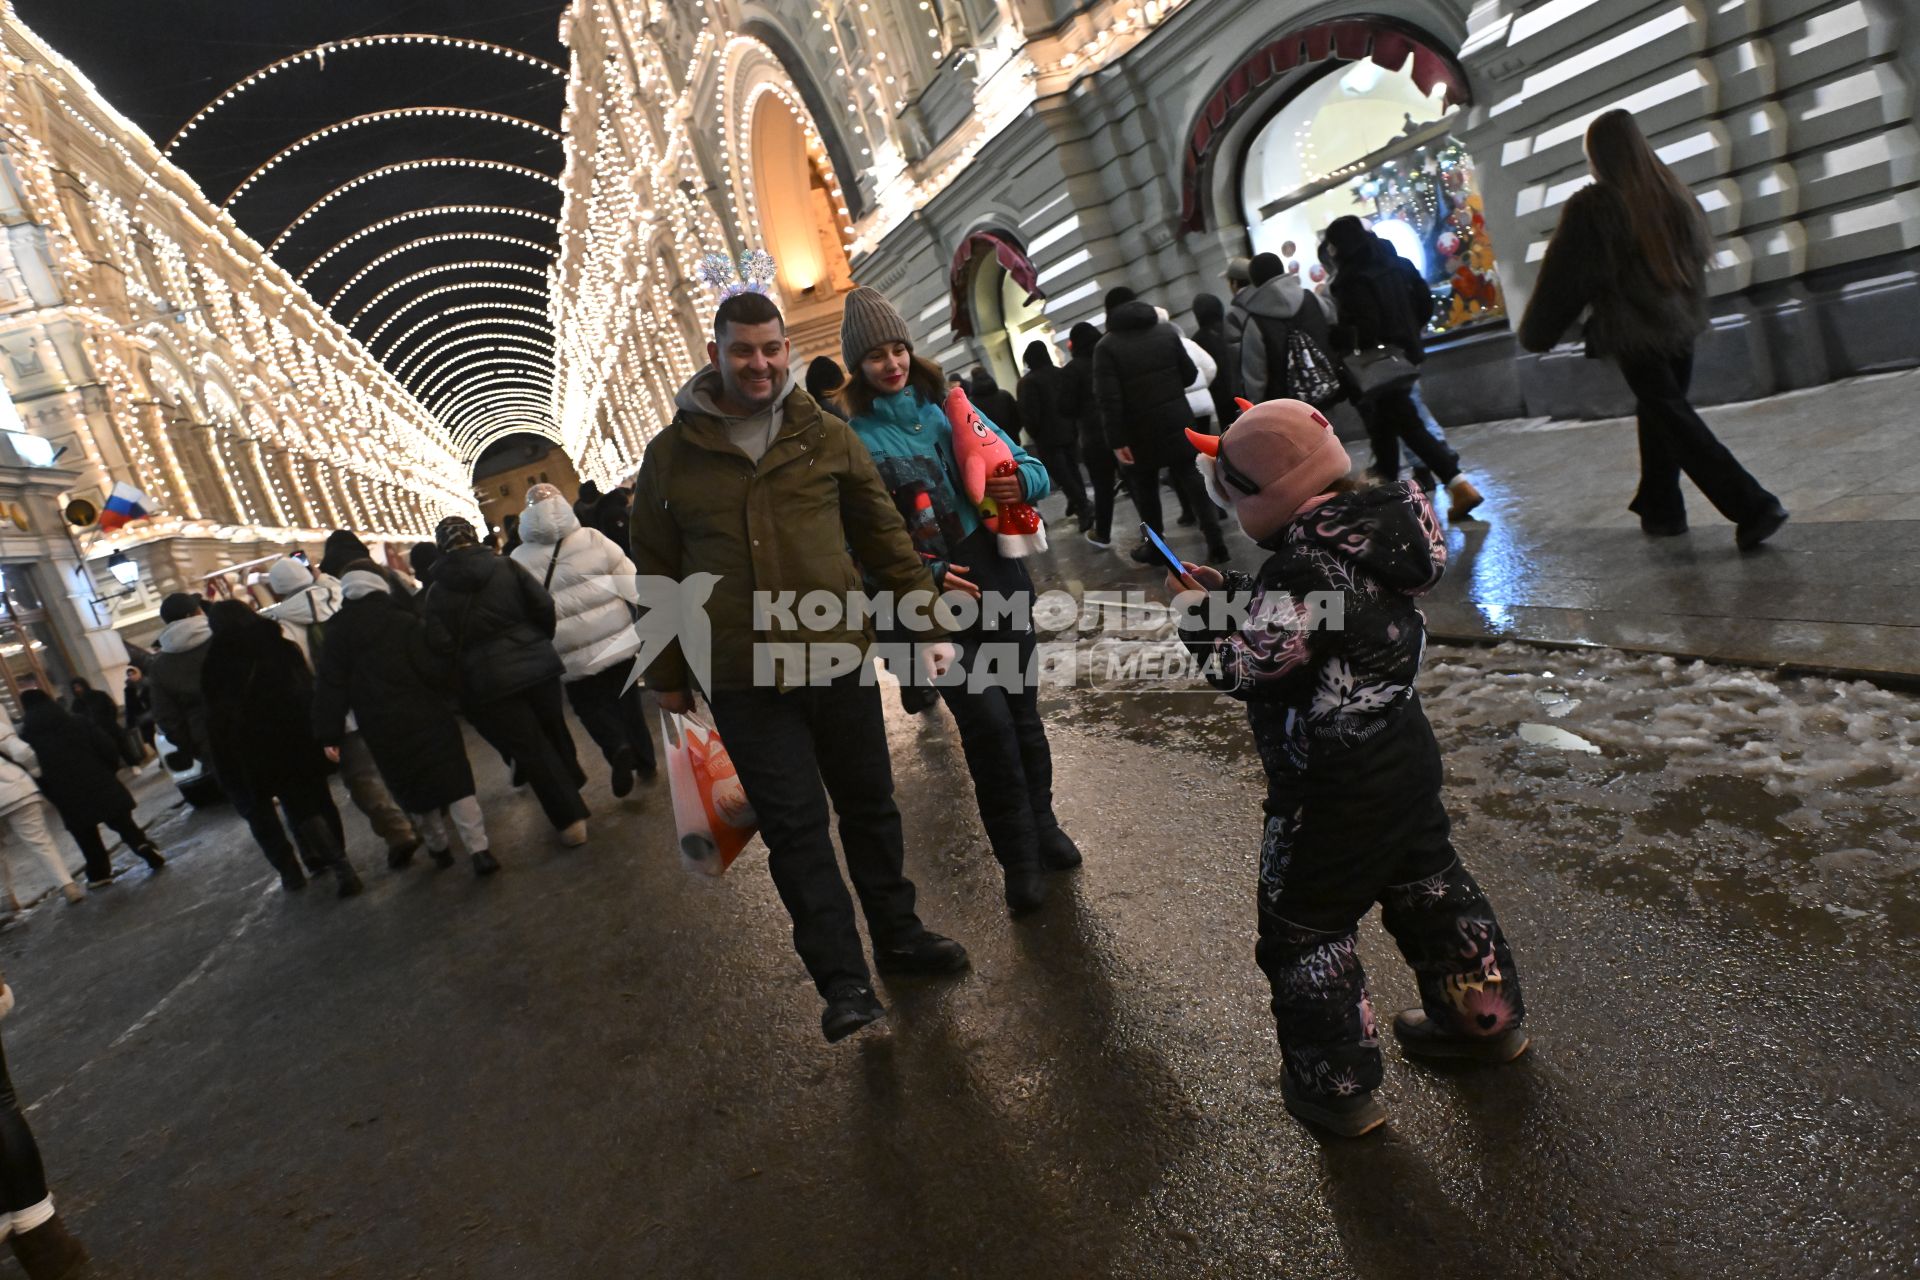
145,341
995,165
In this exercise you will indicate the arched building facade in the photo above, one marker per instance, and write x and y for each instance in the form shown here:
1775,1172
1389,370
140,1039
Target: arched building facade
999,164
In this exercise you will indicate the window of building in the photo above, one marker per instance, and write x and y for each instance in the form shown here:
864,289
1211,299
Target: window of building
30,650
1361,139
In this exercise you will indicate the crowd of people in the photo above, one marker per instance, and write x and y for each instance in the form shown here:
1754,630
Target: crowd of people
778,487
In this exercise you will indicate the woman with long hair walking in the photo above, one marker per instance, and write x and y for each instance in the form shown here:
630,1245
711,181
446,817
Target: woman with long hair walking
1634,248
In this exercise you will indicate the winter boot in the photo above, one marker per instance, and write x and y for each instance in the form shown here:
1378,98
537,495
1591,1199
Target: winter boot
623,772
442,858
574,834
49,1252
484,863
400,856
1350,1116
1420,1038
350,885
1026,889
1145,554
152,857
850,1006
1464,498
924,954
1058,852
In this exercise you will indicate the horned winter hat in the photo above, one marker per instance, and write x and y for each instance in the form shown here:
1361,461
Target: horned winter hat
1274,457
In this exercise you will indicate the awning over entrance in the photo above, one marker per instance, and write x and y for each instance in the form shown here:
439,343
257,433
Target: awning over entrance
1005,250
1348,40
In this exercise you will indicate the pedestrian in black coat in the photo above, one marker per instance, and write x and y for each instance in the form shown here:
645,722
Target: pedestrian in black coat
378,668
78,775
1075,401
999,405
259,699
495,622
421,558
1141,372
610,514
97,706
1054,433
1633,248
1211,337
137,700
1382,301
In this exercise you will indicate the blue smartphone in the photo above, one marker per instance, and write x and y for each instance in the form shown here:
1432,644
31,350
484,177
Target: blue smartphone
1159,544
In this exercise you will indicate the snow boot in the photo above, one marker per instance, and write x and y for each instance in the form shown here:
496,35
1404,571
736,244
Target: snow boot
1026,889
152,857
49,1252
400,856
1058,852
1749,534
75,894
350,884
1464,498
1351,1116
1420,1038
574,834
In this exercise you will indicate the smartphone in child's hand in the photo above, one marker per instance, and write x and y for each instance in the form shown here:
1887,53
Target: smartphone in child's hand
1175,565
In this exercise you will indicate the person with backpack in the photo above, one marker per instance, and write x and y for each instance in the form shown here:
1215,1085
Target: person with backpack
1234,327
304,607
594,597
1383,302
1284,352
79,763
1633,248
379,674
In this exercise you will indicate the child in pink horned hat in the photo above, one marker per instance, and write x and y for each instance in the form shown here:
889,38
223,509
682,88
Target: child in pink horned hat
1325,657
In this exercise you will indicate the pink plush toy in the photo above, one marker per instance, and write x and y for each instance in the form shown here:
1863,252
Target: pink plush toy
981,452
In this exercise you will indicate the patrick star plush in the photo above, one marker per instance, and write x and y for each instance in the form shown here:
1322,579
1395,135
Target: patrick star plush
981,452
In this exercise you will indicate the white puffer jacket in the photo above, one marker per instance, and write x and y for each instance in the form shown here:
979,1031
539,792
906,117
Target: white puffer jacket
18,765
591,584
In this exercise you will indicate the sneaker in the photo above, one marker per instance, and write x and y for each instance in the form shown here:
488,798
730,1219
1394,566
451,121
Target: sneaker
1464,498
1350,1116
105,882
1026,891
484,863
1144,554
1420,1038
1058,852
1749,534
850,1006
350,885
400,856
1105,544
442,858
926,953
574,834
622,774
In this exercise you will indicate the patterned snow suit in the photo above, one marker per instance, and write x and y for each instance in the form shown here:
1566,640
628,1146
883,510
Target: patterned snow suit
1325,662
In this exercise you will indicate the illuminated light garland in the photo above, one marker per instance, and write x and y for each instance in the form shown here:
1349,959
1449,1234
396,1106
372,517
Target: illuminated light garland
506,285
380,117
488,333
439,210
536,363
470,264
479,389
407,166
320,51
545,325
448,237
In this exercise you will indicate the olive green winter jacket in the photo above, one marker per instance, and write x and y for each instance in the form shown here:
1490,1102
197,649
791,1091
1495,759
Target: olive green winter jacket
797,522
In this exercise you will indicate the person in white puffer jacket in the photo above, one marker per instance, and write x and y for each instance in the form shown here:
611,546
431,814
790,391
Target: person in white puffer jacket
20,809
591,581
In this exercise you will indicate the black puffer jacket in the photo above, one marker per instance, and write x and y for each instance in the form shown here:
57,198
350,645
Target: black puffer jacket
999,405
378,665
1040,406
496,620
77,764
1382,301
1073,396
1594,260
342,549
1141,372
259,693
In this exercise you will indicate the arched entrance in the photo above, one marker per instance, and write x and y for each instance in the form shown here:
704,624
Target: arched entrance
997,301
1349,117
798,220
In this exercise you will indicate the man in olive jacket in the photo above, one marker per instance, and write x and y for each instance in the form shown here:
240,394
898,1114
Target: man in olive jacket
755,483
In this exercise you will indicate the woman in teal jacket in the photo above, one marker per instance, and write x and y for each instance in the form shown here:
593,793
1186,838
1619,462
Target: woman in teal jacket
893,399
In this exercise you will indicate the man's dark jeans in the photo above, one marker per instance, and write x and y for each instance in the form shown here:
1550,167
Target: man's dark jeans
784,745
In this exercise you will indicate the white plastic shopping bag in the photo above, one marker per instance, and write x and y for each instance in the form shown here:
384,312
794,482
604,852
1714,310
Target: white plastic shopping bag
710,807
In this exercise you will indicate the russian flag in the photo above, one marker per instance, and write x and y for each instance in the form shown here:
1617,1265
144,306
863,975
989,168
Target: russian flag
125,503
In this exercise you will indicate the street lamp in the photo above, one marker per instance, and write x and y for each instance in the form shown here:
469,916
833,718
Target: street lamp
126,572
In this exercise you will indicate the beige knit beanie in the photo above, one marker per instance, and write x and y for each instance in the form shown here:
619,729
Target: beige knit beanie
870,321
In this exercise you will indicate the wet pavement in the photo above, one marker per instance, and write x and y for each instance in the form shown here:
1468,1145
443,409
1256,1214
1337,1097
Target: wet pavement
595,1065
